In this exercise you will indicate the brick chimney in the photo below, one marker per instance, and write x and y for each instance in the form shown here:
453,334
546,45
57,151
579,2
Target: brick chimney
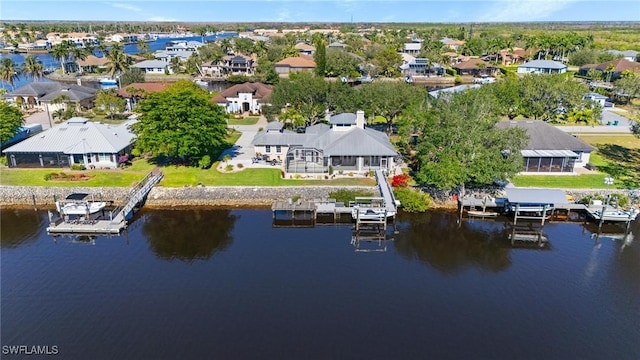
360,119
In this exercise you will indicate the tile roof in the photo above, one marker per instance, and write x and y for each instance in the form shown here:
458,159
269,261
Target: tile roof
619,65
149,87
92,60
297,62
543,136
473,64
78,136
259,91
304,47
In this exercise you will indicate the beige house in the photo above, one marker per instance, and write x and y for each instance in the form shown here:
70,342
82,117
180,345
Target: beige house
294,64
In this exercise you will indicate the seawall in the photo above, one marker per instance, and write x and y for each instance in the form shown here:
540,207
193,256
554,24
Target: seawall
20,196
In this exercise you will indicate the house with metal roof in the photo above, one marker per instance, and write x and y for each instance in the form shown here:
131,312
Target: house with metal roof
343,143
550,150
76,141
154,66
542,67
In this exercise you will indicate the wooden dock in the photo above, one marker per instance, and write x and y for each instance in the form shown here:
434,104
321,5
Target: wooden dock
115,221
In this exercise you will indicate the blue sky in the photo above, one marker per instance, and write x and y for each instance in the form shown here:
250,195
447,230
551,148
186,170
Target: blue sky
322,10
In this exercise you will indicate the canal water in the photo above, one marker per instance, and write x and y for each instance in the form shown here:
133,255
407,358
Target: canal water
225,284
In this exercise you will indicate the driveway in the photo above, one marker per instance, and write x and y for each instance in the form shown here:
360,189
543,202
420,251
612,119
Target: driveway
242,151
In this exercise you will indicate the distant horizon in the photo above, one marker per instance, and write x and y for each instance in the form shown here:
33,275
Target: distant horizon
324,11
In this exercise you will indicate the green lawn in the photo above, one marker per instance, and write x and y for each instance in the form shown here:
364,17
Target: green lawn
618,155
584,181
175,176
249,120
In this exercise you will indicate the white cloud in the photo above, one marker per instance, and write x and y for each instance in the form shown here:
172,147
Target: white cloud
528,10
126,7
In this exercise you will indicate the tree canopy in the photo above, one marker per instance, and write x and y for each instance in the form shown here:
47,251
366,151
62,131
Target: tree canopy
10,120
388,99
456,142
180,124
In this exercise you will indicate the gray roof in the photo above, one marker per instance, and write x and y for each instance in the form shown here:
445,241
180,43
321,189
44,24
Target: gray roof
535,196
47,91
78,136
151,64
353,142
543,136
543,64
274,125
626,53
454,89
344,118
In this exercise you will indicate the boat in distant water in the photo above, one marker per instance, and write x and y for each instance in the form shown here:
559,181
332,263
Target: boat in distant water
108,81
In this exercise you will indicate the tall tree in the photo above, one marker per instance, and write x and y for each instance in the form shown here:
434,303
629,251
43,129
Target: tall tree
9,71
320,57
60,53
133,75
388,99
143,46
458,143
180,124
111,103
305,92
388,62
10,121
117,62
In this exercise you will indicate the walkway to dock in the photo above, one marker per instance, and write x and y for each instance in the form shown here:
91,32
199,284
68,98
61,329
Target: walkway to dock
387,193
138,194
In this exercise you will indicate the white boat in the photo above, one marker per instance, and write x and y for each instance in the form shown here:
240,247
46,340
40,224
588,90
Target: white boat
76,204
366,213
108,81
200,82
616,215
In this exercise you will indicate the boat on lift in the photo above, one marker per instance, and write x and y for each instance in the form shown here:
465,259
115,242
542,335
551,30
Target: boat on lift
78,204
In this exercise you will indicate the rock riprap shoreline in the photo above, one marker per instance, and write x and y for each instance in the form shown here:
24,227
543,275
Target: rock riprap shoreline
174,197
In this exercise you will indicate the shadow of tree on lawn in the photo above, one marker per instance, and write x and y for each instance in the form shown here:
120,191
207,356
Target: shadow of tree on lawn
623,164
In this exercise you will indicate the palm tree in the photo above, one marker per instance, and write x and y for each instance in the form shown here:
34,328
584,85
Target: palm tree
60,52
117,61
33,66
143,47
9,71
176,65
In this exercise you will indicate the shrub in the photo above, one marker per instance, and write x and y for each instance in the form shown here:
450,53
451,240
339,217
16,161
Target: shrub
3,160
295,197
135,152
371,173
330,170
78,167
345,196
350,174
401,180
239,166
229,167
457,79
621,200
412,200
205,162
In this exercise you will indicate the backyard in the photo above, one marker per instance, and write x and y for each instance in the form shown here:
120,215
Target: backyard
617,156
175,176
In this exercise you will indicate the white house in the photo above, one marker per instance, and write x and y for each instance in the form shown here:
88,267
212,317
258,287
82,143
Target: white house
76,141
542,67
412,48
345,144
241,98
153,66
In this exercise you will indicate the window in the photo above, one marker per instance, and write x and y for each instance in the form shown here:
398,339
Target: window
278,149
267,149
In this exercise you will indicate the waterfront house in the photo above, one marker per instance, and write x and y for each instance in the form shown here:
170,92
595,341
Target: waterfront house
91,64
452,44
154,67
212,69
421,67
243,98
76,141
238,65
51,96
294,64
549,149
542,67
343,144
612,70
475,67
601,100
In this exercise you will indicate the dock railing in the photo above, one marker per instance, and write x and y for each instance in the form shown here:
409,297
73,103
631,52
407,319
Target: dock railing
137,194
